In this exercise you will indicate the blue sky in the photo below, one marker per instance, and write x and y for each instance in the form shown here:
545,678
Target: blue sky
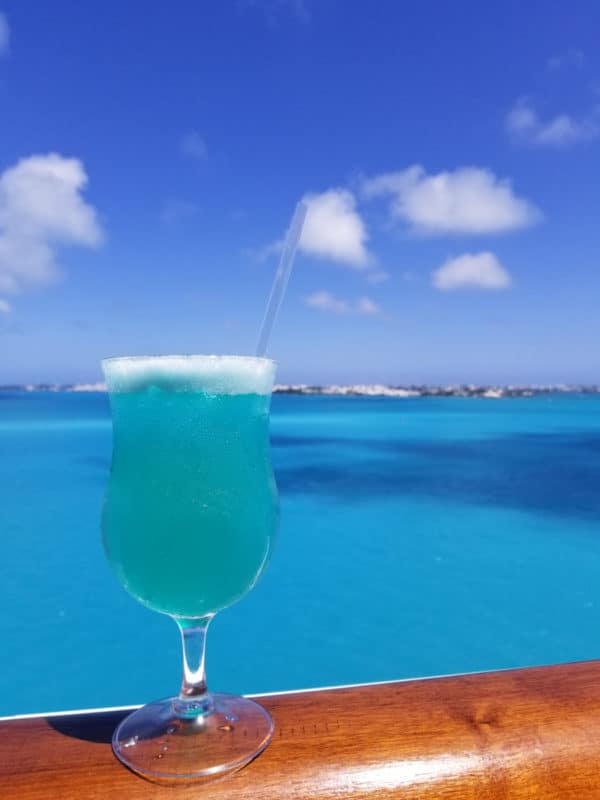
151,156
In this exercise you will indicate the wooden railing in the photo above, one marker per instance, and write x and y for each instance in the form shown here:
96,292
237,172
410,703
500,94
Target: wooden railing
516,735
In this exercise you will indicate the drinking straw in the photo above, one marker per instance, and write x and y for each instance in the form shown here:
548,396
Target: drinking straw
282,276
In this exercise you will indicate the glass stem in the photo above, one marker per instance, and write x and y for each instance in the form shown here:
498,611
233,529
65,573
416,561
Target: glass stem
194,699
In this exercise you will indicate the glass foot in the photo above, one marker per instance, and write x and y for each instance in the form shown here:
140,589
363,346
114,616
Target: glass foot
161,743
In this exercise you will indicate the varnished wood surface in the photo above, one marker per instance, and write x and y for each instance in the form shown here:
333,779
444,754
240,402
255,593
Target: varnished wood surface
531,733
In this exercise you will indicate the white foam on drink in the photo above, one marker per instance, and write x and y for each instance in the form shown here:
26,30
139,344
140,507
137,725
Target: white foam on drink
209,374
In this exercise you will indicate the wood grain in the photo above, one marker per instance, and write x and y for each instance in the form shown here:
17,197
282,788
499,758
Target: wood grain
531,733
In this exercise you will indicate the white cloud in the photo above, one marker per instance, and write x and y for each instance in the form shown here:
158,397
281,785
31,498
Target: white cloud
570,58
368,307
334,229
193,145
325,301
4,34
4,306
378,276
524,124
267,251
471,271
467,200
41,208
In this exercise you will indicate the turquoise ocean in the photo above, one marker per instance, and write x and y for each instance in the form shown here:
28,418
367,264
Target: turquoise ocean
419,536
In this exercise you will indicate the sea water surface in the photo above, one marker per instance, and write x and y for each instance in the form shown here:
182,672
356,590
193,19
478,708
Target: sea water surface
419,536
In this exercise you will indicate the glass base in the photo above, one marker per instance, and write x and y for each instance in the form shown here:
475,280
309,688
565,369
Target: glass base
162,743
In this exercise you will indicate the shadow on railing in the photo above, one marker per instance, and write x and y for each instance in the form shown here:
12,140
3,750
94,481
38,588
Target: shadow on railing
95,727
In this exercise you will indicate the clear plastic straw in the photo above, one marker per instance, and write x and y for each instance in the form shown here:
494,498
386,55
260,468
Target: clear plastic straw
282,276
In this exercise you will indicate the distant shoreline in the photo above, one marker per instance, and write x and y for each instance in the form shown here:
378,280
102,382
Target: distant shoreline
486,391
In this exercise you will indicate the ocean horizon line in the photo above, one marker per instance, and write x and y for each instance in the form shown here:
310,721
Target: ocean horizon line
483,390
